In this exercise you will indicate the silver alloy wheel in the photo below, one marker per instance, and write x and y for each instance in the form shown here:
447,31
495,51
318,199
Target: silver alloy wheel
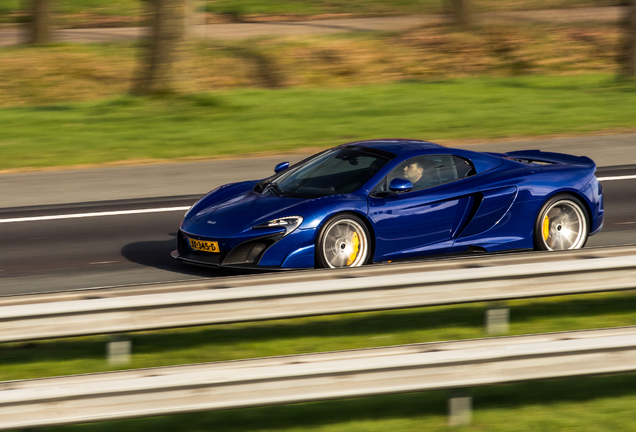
564,226
345,244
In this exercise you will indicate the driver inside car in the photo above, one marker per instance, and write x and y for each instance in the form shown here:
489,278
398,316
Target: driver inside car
413,172
418,175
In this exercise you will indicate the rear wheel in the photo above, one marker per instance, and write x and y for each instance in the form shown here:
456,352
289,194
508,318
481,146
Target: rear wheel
343,242
561,225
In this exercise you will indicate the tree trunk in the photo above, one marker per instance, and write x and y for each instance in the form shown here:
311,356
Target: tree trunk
629,46
462,11
161,69
40,25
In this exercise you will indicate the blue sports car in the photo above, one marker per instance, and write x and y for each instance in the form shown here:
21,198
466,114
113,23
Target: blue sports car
394,199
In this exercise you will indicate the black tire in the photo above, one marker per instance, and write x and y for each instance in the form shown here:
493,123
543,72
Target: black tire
336,244
560,215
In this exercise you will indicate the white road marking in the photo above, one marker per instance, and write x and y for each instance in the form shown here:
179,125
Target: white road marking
625,223
169,209
629,177
102,262
85,215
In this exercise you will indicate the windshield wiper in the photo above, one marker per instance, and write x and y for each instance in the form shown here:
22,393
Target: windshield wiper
273,188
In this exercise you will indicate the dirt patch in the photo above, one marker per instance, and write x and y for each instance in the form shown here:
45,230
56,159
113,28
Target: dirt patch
508,50
94,20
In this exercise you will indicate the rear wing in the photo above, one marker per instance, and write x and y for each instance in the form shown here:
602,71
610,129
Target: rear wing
550,157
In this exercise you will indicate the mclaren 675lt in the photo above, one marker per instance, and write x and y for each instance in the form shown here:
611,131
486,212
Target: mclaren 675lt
389,199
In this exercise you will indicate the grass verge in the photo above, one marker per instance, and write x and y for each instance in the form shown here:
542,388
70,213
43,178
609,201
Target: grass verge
98,13
253,121
383,7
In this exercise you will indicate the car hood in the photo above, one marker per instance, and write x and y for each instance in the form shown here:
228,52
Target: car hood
243,211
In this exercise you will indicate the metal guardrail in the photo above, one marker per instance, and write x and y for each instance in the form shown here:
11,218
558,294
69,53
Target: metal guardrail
447,262
291,379
52,319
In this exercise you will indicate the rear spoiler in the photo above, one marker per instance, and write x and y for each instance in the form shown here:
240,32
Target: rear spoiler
550,157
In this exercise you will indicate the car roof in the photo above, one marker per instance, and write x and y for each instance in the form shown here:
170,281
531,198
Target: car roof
395,145
403,149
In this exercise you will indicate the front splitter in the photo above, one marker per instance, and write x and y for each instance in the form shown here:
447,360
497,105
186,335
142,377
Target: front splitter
234,267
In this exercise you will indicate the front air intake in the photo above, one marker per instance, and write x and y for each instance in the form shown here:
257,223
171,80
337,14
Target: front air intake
251,251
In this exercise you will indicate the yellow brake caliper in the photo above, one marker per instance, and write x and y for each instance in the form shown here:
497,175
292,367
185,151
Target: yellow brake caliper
546,228
355,244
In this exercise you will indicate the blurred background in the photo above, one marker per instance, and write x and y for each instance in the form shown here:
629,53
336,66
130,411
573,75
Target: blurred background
443,70
94,85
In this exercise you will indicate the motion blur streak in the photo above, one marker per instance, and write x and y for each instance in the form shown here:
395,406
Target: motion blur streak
629,177
85,215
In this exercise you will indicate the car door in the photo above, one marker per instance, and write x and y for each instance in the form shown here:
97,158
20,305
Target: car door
424,220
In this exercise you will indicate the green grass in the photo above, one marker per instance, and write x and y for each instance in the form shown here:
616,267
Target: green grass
9,9
280,7
125,8
102,7
381,7
252,121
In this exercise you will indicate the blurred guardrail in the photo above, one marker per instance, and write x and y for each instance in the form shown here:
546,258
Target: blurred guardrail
320,294
301,378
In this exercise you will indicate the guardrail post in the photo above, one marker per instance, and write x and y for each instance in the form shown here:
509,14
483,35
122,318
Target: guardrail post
497,319
118,350
460,408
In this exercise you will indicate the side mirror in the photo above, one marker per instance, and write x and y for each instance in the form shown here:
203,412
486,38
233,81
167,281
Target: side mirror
281,167
400,185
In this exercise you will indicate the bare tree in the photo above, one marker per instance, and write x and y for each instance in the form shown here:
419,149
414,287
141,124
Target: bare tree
40,24
461,11
628,51
161,70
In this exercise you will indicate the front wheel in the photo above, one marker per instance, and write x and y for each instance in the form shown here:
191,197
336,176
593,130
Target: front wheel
343,242
561,225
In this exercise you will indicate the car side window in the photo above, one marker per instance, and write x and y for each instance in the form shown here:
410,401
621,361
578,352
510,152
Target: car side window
428,171
464,167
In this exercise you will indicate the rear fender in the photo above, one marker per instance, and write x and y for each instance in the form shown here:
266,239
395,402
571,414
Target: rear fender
550,157
591,199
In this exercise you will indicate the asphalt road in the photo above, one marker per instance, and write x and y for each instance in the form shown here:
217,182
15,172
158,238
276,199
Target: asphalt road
124,249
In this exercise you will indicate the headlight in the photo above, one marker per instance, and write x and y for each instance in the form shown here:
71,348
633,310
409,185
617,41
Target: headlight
290,223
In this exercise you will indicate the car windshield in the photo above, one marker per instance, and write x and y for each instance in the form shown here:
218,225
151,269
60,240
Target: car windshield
337,171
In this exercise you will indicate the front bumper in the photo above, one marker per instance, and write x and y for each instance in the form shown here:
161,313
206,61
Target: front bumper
193,260
267,252
245,255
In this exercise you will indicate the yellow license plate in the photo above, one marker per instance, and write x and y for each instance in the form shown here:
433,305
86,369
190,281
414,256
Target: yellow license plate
205,246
